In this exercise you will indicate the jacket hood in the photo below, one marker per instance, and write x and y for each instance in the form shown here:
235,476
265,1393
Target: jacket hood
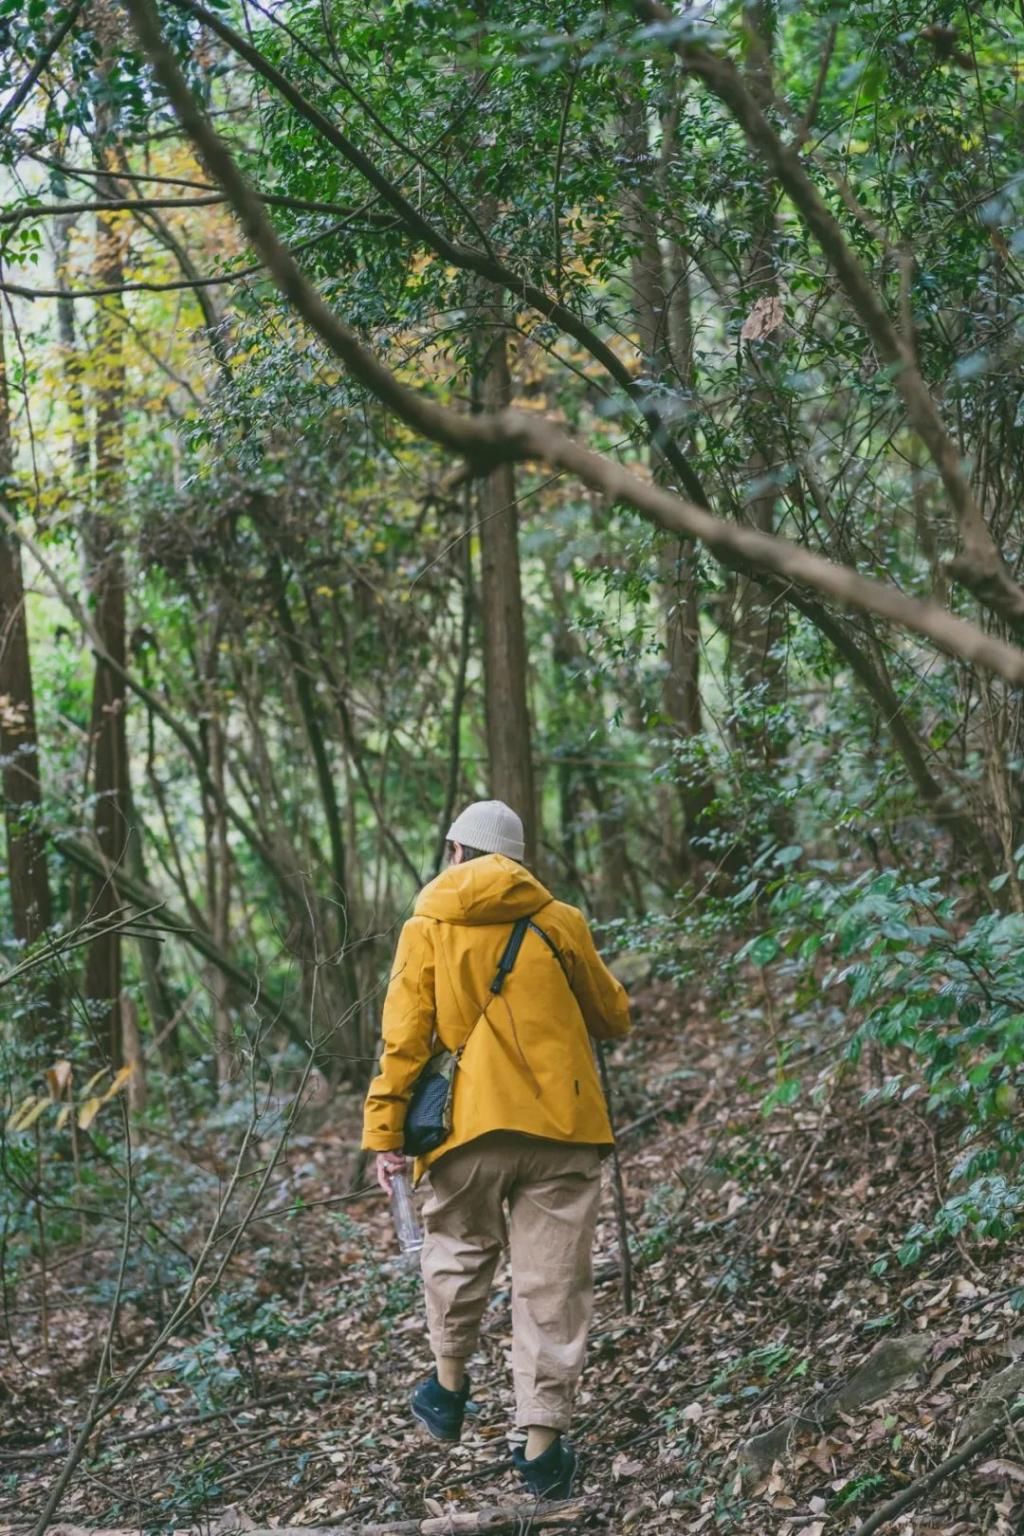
491,889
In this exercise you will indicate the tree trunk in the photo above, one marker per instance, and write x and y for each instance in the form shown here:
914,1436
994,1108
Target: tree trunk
337,942
218,880
501,600
759,618
71,360
454,767
104,554
578,718
661,312
19,752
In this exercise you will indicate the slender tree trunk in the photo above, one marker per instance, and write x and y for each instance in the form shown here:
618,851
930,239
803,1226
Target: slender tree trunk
19,751
218,883
580,720
501,600
759,619
309,708
680,566
661,312
71,360
454,769
158,1005
565,704
105,557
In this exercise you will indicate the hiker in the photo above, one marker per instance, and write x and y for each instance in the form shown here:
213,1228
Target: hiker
521,1166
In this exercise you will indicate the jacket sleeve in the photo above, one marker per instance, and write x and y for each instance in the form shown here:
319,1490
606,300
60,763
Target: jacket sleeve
602,999
408,1030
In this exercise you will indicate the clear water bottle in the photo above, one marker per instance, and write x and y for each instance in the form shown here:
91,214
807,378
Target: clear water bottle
403,1213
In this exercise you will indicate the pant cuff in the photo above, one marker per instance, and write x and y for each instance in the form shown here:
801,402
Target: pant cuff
543,1413
455,1346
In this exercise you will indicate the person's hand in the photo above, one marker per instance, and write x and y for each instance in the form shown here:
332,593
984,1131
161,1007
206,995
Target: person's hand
389,1165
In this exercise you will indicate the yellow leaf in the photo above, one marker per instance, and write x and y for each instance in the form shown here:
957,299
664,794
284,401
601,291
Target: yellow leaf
91,1084
29,1113
12,1124
88,1112
120,1078
62,1116
59,1078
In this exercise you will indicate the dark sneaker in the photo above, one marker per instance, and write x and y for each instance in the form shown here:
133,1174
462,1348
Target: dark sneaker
439,1411
551,1475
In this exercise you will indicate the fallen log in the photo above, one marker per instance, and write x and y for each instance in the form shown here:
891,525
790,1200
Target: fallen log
567,1515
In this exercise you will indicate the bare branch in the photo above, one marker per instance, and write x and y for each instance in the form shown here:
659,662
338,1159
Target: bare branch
888,1512
152,701
146,204
19,291
138,897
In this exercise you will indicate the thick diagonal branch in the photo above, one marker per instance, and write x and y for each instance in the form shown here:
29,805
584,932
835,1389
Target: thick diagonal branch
466,258
488,439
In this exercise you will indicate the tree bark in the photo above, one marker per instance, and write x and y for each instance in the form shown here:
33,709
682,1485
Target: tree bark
501,599
661,312
27,873
454,770
112,819
757,628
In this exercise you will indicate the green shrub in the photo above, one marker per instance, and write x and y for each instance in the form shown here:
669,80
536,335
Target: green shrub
941,1000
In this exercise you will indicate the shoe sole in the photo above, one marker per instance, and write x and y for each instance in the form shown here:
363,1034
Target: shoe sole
425,1424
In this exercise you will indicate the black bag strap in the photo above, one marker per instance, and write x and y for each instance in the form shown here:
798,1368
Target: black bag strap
515,943
510,953
549,941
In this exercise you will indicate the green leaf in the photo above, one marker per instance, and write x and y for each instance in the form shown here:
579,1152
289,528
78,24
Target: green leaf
764,950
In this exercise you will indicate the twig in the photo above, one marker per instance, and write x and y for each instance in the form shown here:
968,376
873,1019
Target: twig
87,933
930,1480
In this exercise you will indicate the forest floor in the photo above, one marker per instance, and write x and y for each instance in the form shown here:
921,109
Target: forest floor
754,1238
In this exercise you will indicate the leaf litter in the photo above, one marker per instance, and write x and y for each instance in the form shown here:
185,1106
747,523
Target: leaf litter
755,1240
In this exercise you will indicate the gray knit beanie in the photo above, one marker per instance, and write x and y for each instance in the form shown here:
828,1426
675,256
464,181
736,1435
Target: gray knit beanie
491,826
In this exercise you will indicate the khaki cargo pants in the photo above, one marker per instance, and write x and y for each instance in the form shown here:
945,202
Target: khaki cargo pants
551,1192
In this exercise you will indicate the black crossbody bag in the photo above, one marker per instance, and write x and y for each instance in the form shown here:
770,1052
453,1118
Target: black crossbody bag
428,1118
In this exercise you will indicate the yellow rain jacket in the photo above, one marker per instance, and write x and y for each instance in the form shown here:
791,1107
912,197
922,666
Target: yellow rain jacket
529,1064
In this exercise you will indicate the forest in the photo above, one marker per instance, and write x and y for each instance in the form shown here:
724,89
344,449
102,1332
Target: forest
616,410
